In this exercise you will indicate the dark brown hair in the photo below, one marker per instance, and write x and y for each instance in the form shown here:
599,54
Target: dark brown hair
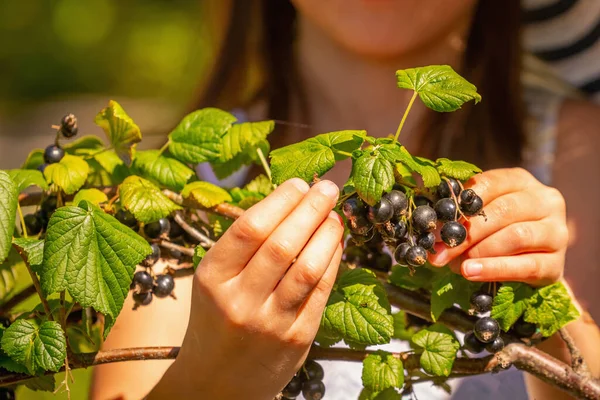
489,134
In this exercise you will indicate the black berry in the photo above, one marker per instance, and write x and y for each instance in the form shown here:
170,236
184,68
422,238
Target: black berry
381,212
142,298
313,370
175,230
445,209
467,196
426,240
155,229
453,233
150,260
53,154
5,322
49,204
7,394
33,224
353,207
395,230
524,329
473,208
356,255
42,167
293,388
68,126
444,187
416,256
313,390
359,226
383,262
422,201
164,285
495,346
486,329
399,202
143,281
481,301
424,219
473,344
126,218
400,253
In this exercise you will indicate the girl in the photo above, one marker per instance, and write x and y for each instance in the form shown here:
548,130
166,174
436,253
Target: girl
330,64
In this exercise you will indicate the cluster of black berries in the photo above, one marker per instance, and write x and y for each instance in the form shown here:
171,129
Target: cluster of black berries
406,224
54,153
308,381
37,222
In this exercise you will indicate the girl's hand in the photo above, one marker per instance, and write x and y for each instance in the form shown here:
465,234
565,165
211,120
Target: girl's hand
258,297
524,238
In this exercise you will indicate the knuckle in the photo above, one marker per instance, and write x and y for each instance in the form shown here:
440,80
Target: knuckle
248,229
235,317
533,269
562,236
308,274
523,174
297,341
556,198
502,207
319,203
522,234
280,250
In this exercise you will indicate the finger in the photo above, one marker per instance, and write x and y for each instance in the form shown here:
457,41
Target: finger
502,212
304,275
309,314
534,268
249,231
546,235
498,182
278,251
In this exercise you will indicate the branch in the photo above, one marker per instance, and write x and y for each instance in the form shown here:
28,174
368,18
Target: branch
36,284
172,246
577,362
16,299
196,234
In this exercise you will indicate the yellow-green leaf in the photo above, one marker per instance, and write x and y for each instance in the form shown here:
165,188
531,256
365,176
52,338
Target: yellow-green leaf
69,174
24,178
94,196
145,200
204,194
120,129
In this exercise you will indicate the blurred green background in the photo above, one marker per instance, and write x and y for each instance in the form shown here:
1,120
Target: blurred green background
61,56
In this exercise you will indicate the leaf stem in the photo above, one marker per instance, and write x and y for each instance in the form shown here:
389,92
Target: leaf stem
344,153
22,219
410,103
265,165
36,284
164,147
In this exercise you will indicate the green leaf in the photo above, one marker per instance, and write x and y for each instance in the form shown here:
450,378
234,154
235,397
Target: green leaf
204,194
69,174
9,273
448,289
199,253
243,138
9,195
32,248
261,184
403,174
460,170
92,255
94,196
45,383
510,303
373,174
421,279
38,348
198,137
8,363
34,159
422,166
439,349
84,146
382,371
550,308
24,178
316,155
113,165
145,201
120,129
387,394
439,87
358,309
401,329
162,169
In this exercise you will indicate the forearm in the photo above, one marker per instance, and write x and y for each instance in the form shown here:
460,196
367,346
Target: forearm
586,335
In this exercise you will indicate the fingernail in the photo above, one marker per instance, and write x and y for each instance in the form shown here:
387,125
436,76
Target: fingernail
336,216
472,268
441,256
328,188
300,184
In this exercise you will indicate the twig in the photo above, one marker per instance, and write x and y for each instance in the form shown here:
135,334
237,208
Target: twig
224,209
36,284
172,246
205,241
577,362
16,299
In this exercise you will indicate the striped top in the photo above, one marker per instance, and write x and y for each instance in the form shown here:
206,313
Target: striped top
566,34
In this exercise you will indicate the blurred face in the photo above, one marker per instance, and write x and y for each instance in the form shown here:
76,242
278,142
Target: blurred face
386,28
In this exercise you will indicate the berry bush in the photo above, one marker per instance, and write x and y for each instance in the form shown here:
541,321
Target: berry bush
103,215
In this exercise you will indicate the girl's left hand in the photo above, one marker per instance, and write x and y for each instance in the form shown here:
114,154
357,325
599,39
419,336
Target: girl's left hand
525,235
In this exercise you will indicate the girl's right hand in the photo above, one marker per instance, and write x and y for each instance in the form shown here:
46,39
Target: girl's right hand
258,297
